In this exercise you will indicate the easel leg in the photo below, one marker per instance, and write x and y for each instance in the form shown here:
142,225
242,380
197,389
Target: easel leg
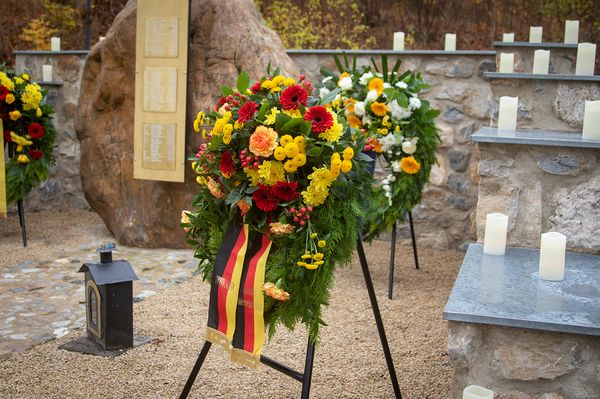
392,263
414,240
22,221
380,328
308,368
195,370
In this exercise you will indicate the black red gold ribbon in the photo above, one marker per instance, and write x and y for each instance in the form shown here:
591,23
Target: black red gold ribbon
2,174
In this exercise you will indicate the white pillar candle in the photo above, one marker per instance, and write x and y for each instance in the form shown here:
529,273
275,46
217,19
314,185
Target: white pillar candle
571,32
535,34
586,58
591,121
398,41
494,241
508,37
507,114
47,73
55,43
477,392
541,62
507,62
450,42
552,256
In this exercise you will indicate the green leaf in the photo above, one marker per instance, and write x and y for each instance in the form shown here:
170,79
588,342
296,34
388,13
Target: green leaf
384,67
327,72
329,97
280,120
374,64
243,82
305,127
262,112
396,66
338,63
292,123
227,91
314,152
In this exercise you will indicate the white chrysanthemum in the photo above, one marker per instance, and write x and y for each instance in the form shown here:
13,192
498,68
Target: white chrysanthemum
396,167
346,83
401,85
327,79
409,147
359,108
323,91
387,142
372,96
364,79
385,181
391,178
366,120
386,85
397,111
414,103
386,187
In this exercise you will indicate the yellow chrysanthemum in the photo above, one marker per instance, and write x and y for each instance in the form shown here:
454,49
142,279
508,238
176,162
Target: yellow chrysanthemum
271,172
14,115
270,119
6,81
385,122
290,167
322,243
279,153
253,175
23,158
285,139
10,98
196,125
39,112
220,123
318,256
300,159
19,81
226,137
267,84
410,165
31,97
312,266
291,150
379,109
288,82
19,140
334,133
25,76
348,153
346,166
376,84
318,190
300,142
382,131
354,121
292,113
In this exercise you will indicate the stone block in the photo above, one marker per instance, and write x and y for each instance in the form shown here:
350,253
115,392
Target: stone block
453,115
566,164
460,68
446,133
458,159
68,68
463,133
458,183
438,174
570,101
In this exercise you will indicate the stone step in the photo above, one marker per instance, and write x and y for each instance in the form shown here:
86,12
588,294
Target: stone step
548,102
563,56
552,138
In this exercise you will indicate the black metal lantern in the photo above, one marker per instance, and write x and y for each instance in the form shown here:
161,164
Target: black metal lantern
109,301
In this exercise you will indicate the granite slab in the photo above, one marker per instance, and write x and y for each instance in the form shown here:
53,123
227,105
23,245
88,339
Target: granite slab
552,138
537,45
537,76
391,52
506,290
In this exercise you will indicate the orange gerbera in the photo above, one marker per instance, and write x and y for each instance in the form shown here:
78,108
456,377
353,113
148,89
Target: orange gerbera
410,165
379,109
354,122
376,84
263,141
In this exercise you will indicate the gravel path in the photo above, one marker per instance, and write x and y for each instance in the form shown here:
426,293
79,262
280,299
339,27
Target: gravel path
349,362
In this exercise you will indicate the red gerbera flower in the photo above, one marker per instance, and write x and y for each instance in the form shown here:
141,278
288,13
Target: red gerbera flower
35,154
35,130
320,117
247,111
3,92
7,138
264,199
255,88
285,191
292,96
226,164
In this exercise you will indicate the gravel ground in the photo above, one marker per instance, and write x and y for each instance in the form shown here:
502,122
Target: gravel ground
349,362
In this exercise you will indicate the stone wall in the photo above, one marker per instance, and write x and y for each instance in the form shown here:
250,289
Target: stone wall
445,217
520,363
63,187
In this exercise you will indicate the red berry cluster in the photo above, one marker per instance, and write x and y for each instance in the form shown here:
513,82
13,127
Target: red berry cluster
301,215
201,150
248,160
230,101
370,144
305,83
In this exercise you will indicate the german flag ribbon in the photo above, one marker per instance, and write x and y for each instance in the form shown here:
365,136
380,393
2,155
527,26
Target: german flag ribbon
236,306
2,174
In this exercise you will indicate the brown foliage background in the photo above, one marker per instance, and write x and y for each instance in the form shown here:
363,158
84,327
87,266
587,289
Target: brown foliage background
358,24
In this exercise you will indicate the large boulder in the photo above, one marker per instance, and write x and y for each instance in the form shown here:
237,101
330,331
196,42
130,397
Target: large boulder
227,37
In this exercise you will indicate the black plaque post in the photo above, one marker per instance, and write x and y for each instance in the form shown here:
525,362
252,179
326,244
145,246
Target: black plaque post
20,208
306,377
393,254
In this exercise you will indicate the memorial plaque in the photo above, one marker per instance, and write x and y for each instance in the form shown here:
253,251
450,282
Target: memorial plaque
161,37
160,90
159,142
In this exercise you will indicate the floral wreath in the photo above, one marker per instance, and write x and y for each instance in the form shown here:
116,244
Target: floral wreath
400,127
283,161
28,133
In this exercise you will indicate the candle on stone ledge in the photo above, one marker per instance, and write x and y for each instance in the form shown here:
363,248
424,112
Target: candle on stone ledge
450,42
535,34
507,114
47,73
477,392
507,62
398,41
541,62
586,58
55,43
552,256
508,37
591,121
496,227
571,32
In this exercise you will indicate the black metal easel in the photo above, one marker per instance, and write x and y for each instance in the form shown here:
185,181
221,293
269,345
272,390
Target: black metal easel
393,254
306,377
11,153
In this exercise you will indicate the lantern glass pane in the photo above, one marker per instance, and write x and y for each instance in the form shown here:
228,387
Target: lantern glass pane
93,308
